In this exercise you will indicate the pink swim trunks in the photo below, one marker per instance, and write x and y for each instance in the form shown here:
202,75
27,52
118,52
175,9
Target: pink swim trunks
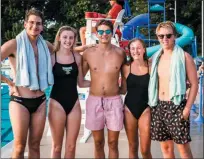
101,111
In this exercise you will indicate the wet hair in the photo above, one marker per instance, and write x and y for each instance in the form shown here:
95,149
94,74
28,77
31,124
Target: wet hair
105,22
144,46
57,42
166,24
34,11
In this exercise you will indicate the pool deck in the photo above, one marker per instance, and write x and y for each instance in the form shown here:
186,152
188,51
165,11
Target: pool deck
85,150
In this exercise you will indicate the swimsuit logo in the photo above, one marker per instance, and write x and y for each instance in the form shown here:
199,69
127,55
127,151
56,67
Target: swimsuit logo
67,70
18,100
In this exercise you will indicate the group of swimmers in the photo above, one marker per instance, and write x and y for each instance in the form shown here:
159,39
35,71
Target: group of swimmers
155,105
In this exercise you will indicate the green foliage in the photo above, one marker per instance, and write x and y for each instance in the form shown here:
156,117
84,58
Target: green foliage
16,28
189,14
71,12
63,12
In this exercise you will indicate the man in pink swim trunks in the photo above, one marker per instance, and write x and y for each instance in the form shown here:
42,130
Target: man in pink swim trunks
104,105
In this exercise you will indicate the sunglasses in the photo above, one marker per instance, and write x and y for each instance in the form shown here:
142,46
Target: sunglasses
168,36
100,32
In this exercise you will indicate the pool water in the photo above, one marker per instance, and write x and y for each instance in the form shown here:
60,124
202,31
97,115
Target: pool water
6,130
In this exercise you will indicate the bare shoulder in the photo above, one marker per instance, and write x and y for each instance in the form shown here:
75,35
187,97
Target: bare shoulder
11,43
189,63
9,48
188,56
89,51
119,50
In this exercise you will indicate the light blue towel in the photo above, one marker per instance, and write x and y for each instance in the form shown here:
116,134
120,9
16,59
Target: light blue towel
177,84
26,72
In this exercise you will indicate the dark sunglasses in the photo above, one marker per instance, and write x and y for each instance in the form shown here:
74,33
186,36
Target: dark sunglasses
100,32
168,36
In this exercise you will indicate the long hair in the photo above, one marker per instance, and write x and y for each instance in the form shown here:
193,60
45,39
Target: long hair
57,42
144,46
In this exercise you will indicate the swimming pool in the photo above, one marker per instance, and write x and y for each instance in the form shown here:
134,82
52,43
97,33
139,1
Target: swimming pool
6,130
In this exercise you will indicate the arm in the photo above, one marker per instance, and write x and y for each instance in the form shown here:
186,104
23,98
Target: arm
85,66
81,82
6,80
124,73
8,49
123,87
83,47
50,47
192,78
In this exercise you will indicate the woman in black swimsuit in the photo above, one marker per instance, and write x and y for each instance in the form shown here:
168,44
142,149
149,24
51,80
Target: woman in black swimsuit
135,80
64,107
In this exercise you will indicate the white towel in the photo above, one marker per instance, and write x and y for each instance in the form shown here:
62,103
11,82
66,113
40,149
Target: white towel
26,72
177,84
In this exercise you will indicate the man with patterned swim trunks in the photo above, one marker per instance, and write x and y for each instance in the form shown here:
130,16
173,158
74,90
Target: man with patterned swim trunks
168,124
167,93
104,105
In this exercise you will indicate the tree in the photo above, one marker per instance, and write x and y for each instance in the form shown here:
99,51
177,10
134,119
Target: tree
71,12
189,15
59,12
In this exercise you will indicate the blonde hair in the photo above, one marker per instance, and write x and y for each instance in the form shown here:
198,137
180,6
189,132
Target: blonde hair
166,24
57,37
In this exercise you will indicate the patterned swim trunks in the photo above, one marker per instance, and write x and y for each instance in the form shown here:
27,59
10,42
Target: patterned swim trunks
167,123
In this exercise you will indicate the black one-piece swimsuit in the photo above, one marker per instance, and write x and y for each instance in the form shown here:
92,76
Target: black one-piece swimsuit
64,89
137,93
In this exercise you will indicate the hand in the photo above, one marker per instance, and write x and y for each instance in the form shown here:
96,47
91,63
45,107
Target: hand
186,113
13,90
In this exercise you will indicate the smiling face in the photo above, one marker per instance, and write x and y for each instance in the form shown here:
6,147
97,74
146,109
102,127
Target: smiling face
33,25
104,34
67,39
166,34
166,37
137,50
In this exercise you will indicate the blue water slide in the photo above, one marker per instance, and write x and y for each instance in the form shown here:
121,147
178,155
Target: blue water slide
130,27
186,33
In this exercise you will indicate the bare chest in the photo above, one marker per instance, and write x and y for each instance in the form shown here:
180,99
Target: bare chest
164,68
105,63
35,50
